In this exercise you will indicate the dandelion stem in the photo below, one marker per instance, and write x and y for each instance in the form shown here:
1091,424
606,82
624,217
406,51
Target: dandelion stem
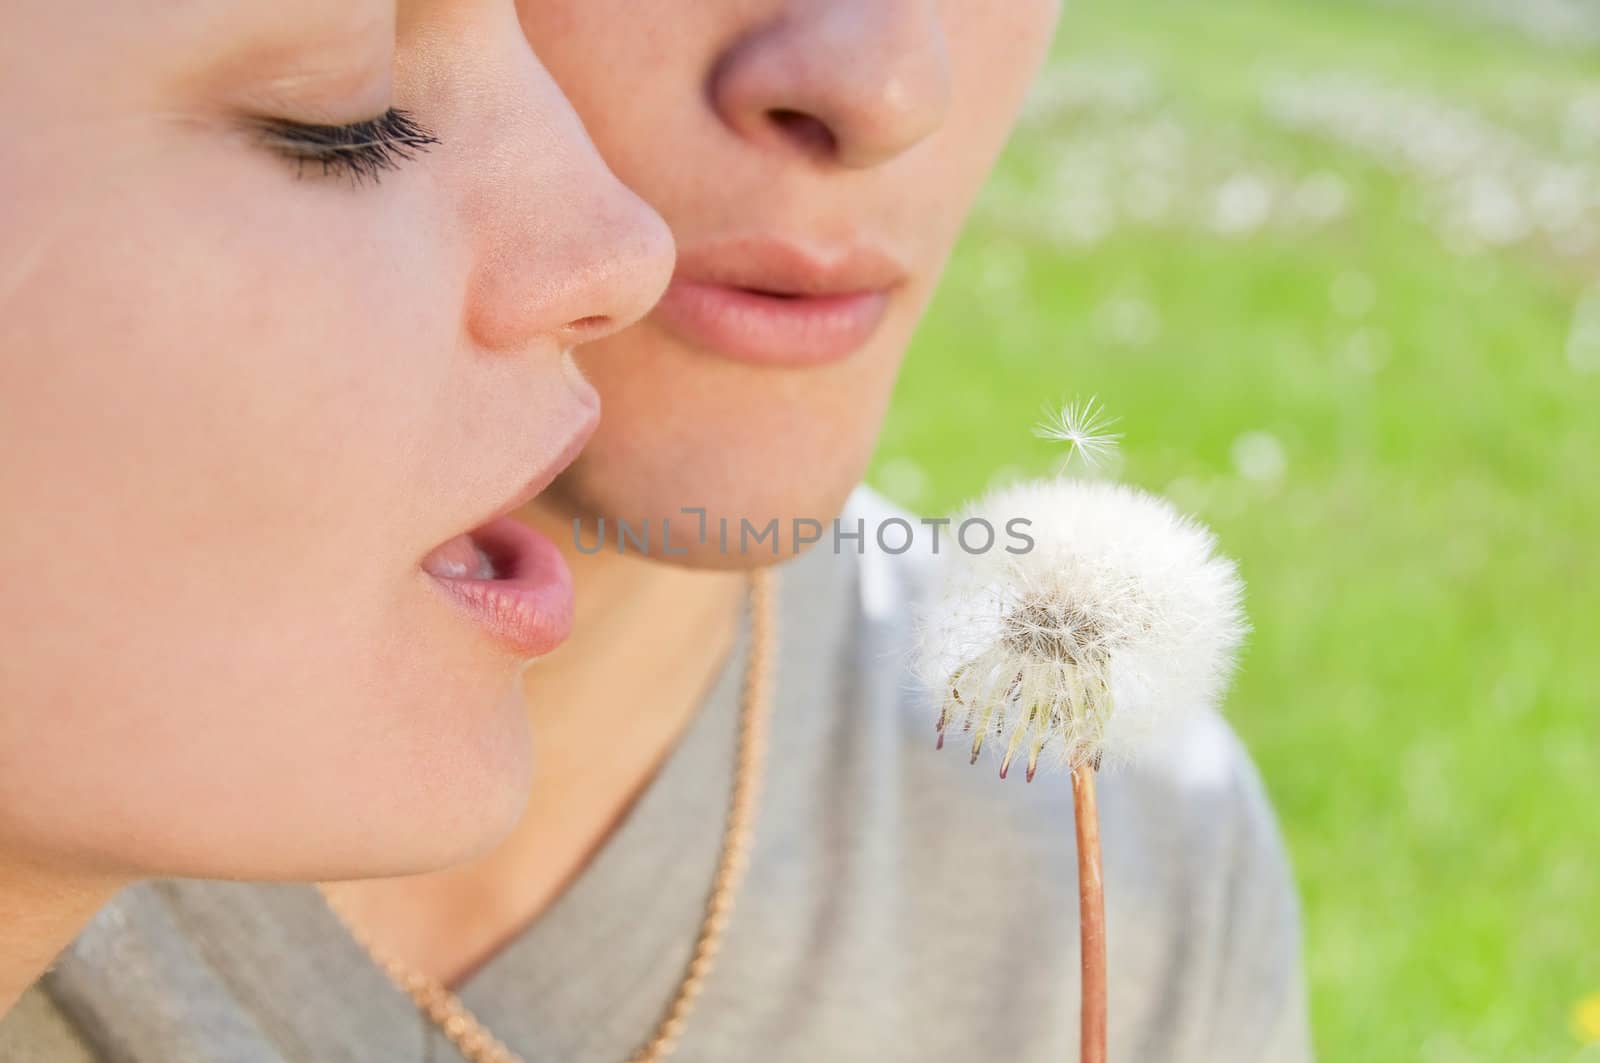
1091,917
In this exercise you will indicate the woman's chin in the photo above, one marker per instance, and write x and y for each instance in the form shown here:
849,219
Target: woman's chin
451,810
414,806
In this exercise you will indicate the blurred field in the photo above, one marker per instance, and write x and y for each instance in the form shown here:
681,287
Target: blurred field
1334,267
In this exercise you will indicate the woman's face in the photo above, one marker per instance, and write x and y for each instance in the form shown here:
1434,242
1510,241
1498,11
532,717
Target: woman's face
266,353
815,160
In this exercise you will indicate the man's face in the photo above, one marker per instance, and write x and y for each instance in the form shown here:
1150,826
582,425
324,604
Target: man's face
815,160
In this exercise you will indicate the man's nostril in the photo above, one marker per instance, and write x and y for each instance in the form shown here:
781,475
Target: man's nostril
806,131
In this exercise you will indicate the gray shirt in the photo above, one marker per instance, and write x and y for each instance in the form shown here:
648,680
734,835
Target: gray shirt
899,904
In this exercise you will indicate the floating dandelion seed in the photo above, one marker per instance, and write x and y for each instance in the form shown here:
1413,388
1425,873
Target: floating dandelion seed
1119,621
1083,427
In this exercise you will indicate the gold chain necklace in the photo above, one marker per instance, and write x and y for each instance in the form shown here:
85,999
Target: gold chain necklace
473,1039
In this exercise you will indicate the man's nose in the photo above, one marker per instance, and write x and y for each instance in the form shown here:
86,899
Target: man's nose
850,83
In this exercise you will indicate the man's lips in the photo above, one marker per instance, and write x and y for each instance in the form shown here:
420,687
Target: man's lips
776,303
509,578
753,326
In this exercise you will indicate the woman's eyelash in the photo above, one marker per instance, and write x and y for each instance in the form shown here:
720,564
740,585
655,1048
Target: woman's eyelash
362,150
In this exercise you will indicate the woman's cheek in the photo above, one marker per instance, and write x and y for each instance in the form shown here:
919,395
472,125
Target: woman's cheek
220,483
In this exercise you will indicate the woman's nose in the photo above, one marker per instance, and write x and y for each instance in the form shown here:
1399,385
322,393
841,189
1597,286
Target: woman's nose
569,253
846,82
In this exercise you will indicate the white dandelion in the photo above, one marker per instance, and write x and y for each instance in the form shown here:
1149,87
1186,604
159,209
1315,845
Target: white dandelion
1120,620
1083,427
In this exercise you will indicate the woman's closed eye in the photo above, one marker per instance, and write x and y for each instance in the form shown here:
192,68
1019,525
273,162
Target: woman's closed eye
360,150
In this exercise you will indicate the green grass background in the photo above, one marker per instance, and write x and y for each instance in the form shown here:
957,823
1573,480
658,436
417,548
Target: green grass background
1421,688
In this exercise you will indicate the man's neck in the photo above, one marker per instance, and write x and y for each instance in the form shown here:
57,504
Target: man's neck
41,911
648,642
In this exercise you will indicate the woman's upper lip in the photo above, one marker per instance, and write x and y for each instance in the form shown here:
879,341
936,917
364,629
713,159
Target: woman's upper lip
546,473
786,267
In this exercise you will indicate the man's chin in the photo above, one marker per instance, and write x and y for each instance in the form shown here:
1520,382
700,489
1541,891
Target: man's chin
760,547
726,538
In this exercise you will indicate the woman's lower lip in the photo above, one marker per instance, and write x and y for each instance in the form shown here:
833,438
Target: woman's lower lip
528,605
762,329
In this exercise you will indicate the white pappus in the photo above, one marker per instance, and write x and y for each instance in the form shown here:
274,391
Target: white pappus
1120,621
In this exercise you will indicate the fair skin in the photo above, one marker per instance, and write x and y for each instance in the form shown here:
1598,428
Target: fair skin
235,642
850,137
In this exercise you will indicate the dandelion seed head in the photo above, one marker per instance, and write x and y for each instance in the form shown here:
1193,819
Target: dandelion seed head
1042,628
1084,427
1121,621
